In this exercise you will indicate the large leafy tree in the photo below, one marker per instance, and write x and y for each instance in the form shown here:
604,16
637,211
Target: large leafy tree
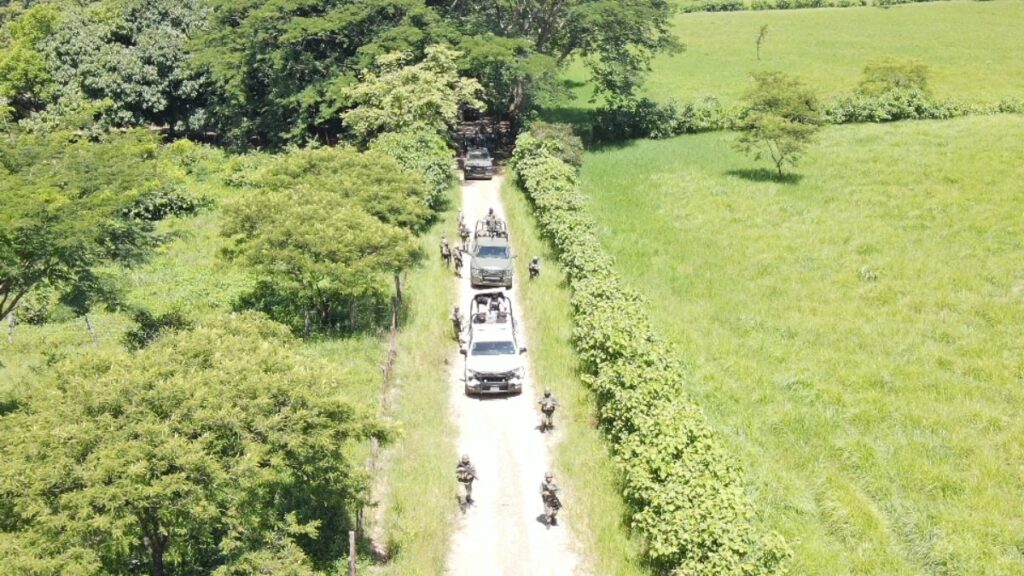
128,59
399,96
615,38
277,64
325,231
215,450
67,212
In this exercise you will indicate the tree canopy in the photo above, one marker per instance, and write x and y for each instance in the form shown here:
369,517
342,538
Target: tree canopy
324,231
69,208
218,450
252,73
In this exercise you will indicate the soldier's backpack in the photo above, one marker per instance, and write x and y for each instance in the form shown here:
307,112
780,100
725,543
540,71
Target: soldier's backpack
547,405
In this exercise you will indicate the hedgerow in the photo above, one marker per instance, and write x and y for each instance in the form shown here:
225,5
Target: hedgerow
685,494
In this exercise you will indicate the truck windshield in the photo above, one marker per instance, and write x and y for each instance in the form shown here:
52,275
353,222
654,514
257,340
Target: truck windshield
492,252
493,348
478,155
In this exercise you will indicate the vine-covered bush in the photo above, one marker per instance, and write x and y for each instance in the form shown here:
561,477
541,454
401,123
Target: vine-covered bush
686,496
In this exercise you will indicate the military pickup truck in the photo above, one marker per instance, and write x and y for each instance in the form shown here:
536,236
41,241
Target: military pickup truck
494,363
478,164
491,261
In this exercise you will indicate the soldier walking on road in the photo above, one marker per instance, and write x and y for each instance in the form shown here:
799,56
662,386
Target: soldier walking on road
547,408
552,503
446,251
534,267
465,473
457,321
457,259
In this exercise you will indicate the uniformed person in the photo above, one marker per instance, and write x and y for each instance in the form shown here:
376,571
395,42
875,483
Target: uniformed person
457,321
548,403
465,474
446,251
457,259
549,494
534,267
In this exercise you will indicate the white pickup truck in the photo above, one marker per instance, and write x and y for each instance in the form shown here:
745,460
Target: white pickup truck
494,363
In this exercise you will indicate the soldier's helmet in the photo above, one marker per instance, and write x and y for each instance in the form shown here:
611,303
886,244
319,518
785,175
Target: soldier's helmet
490,211
536,259
464,459
548,476
547,392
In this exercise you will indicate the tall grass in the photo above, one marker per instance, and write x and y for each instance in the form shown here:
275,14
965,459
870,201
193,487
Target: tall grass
419,502
855,332
584,466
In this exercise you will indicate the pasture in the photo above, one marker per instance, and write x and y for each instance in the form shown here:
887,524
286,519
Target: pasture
854,332
971,48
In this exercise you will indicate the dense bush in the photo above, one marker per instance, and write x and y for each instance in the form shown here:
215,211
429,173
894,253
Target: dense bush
898,104
149,327
644,118
166,200
685,495
715,6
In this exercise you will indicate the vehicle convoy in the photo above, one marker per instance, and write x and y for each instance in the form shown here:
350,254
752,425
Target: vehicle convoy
493,355
491,261
478,164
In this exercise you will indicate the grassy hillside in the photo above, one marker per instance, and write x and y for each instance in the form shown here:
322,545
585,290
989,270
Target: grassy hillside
855,333
972,49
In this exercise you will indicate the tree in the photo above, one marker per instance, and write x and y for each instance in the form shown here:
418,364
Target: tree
615,39
219,450
26,81
424,153
67,212
325,232
400,96
277,67
372,181
779,120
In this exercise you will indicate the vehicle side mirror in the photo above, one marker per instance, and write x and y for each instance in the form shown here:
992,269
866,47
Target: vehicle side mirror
462,351
522,349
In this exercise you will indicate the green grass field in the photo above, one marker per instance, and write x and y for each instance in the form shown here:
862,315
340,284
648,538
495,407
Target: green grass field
972,49
855,333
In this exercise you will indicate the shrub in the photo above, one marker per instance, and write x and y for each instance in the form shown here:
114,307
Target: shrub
425,153
644,118
149,327
899,104
685,495
887,74
715,6
166,200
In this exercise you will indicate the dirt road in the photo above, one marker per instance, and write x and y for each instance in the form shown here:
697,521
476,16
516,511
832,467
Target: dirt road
502,534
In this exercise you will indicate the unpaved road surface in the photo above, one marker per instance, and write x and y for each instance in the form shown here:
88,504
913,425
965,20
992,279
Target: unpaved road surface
502,533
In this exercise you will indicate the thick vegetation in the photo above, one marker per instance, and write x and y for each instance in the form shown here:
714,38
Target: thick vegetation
854,332
216,450
686,496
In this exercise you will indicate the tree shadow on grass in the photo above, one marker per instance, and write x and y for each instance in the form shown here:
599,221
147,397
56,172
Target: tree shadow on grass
765,175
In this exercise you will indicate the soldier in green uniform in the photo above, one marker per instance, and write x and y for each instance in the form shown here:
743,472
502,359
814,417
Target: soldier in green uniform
549,494
465,473
547,408
457,321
